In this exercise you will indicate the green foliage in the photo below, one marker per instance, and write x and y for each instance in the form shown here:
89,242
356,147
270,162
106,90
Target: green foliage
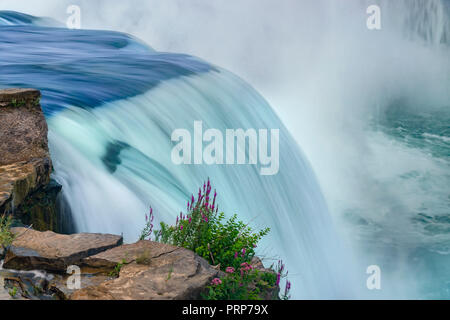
115,272
147,231
206,232
246,283
229,243
16,103
6,237
13,292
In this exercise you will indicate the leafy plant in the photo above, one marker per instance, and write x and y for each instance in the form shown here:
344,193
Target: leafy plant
147,231
16,103
206,232
245,283
6,236
13,292
115,272
281,273
228,243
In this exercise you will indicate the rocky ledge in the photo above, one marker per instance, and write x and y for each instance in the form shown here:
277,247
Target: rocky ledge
26,190
109,270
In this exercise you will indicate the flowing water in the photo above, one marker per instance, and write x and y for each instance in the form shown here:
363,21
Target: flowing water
380,147
112,104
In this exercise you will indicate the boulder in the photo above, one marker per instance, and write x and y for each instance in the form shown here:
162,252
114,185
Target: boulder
34,250
148,271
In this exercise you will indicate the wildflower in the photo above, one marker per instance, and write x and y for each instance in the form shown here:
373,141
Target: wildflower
243,251
246,267
190,219
181,227
235,255
229,270
278,279
206,218
287,289
216,281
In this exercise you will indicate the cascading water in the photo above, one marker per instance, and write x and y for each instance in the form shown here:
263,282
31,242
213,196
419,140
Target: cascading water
112,104
370,109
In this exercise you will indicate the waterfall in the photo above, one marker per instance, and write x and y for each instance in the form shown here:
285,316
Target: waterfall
112,104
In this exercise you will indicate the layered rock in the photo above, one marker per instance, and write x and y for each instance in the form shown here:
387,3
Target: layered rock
110,270
49,251
25,163
149,271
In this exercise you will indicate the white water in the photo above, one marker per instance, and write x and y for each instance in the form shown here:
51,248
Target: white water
327,76
290,202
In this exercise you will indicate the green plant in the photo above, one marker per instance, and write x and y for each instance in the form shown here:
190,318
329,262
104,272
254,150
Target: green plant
229,243
16,103
147,231
13,292
115,272
245,283
206,232
6,236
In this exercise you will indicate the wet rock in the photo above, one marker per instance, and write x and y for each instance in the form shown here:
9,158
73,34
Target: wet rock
149,271
34,250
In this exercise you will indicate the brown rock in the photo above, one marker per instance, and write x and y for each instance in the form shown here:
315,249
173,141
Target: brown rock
34,250
25,163
151,271
23,130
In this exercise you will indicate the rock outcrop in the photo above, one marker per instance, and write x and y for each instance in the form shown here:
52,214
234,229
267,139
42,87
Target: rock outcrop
109,270
25,164
149,271
49,251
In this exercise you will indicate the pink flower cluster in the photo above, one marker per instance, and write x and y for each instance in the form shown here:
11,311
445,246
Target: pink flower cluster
216,281
229,270
203,205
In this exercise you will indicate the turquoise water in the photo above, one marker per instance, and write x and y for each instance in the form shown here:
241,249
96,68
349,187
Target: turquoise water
410,240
